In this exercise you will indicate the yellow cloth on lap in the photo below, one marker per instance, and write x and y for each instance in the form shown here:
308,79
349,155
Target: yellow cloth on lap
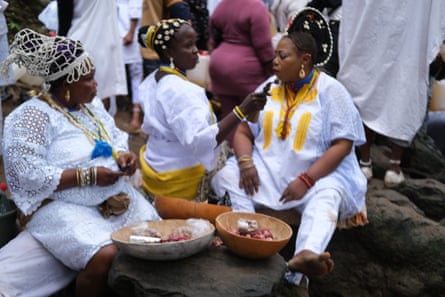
181,183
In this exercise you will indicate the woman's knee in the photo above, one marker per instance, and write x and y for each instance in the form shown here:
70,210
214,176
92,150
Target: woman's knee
102,260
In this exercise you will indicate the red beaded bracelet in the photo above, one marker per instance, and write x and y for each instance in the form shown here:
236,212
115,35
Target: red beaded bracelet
308,181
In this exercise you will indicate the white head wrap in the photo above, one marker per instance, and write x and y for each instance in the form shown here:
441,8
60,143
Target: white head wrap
49,57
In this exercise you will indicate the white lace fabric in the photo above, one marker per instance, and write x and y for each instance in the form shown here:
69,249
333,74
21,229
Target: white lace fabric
39,144
49,57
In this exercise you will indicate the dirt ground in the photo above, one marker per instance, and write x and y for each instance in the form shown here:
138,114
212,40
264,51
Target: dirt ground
122,118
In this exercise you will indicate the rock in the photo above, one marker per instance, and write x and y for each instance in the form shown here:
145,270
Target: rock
214,272
401,252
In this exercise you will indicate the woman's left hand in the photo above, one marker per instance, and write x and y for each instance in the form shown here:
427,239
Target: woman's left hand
127,162
249,180
294,191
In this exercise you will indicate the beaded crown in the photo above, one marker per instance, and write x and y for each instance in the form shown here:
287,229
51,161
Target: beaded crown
49,57
158,36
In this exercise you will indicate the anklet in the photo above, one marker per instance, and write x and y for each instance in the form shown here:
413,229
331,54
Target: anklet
366,164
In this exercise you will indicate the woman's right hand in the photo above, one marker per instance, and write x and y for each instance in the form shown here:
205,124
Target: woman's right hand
106,176
253,102
256,101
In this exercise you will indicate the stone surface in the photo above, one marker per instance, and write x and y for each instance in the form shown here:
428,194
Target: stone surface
214,272
401,252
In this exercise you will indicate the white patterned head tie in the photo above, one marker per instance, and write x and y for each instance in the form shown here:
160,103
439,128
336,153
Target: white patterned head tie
311,20
158,36
50,58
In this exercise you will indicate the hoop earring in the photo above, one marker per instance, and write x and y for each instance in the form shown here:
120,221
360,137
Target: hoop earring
302,73
67,96
172,63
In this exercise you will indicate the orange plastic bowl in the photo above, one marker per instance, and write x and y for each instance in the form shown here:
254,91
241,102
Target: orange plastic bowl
249,247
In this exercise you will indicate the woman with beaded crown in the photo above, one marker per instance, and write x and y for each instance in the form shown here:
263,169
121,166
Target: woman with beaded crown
66,161
299,155
184,135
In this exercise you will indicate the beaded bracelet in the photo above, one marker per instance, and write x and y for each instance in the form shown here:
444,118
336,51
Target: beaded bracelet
307,180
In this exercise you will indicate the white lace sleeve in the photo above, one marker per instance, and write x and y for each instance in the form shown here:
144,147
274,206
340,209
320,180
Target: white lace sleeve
31,178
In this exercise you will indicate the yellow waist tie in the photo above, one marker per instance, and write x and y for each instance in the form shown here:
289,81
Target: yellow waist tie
181,183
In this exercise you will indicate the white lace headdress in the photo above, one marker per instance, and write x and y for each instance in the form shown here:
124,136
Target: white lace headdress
49,57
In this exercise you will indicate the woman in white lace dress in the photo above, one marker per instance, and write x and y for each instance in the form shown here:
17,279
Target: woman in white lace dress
65,160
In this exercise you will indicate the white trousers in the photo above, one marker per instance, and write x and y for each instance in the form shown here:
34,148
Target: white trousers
135,72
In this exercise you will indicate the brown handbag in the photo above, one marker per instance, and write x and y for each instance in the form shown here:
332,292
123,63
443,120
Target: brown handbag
115,205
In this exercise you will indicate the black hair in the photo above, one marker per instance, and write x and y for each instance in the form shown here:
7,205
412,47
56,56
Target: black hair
305,42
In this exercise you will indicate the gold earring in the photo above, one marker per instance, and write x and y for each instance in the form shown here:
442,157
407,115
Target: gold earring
172,63
302,73
67,95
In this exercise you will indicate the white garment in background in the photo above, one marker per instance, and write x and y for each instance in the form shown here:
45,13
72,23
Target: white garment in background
282,10
385,49
95,25
4,52
49,16
211,5
127,10
4,47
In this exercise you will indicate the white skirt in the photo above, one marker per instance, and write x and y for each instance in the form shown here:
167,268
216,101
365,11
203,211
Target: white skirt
29,270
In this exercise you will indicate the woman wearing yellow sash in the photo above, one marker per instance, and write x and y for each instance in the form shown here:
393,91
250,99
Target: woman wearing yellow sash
184,135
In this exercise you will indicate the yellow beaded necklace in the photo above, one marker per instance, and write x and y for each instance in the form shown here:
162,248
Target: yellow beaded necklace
100,138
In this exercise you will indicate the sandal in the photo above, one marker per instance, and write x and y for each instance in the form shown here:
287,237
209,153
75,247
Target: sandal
366,168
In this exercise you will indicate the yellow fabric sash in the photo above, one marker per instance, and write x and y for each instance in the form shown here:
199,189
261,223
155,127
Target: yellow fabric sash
181,183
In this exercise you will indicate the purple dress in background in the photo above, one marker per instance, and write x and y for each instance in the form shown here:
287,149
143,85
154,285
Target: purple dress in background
242,59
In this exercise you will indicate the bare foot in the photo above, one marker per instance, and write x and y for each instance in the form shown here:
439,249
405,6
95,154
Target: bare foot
311,264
